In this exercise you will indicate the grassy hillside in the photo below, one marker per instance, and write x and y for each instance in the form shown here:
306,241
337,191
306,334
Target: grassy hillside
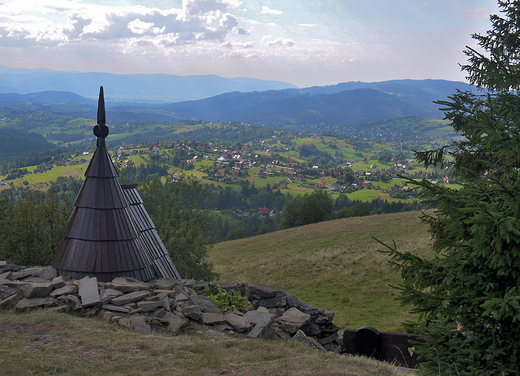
334,265
51,343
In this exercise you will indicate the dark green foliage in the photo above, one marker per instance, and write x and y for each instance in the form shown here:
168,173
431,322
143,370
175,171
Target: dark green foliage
32,226
474,278
305,209
14,142
183,226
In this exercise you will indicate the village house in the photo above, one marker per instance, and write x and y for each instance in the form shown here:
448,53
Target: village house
263,211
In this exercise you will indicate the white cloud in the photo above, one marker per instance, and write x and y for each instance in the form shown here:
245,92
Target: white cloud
281,42
71,22
266,10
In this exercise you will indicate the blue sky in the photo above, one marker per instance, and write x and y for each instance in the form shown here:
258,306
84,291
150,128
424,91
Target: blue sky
303,42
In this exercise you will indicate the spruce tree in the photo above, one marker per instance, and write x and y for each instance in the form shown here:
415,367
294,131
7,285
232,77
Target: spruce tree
468,294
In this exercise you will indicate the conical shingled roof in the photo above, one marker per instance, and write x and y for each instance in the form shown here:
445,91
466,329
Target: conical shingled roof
162,263
101,238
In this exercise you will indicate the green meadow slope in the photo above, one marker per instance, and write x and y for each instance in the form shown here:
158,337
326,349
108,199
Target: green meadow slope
334,265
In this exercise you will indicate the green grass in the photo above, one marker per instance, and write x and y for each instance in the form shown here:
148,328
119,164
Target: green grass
334,265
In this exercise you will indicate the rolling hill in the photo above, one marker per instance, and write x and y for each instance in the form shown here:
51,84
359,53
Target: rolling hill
334,265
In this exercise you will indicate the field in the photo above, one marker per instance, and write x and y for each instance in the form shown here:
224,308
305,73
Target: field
334,265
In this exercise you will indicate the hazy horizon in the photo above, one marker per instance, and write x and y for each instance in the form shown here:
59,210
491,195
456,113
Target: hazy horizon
305,44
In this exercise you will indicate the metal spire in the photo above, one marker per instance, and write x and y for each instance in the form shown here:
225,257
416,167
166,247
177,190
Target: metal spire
101,128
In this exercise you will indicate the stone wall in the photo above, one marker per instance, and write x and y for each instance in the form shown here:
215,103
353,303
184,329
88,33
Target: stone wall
170,304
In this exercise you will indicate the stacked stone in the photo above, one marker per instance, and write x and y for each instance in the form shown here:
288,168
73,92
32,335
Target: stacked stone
170,304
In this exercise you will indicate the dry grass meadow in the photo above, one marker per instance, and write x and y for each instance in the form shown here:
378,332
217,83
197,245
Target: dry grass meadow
51,343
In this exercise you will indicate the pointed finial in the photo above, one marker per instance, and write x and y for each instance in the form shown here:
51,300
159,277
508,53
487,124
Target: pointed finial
101,129
101,116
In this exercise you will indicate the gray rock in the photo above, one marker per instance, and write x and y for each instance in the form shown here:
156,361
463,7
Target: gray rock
147,306
107,316
237,287
32,303
293,319
48,273
65,290
59,281
204,303
106,295
125,284
6,275
10,301
193,312
36,290
88,291
165,297
279,332
301,337
130,297
137,320
165,283
3,263
24,273
329,339
259,291
325,318
213,318
34,279
71,301
261,320
6,292
311,329
114,308
293,301
174,323
276,302
181,297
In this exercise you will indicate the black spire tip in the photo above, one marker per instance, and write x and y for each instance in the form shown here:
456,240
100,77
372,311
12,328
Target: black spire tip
101,129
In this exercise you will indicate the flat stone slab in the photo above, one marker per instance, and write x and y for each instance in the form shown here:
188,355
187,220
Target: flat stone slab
204,303
88,291
32,303
293,319
36,290
114,308
130,297
151,305
24,273
165,283
48,273
213,318
263,291
11,300
124,285
239,323
193,312
174,322
261,320
65,290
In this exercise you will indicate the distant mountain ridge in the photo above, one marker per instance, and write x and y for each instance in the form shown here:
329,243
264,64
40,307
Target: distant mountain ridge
132,87
344,103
